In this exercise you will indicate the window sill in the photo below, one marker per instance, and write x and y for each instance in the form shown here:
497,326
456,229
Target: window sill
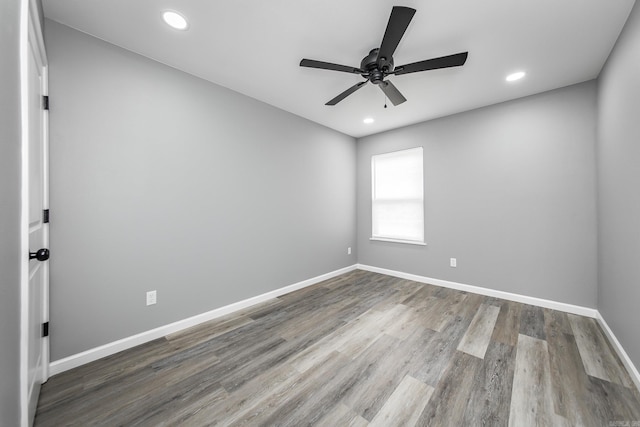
408,242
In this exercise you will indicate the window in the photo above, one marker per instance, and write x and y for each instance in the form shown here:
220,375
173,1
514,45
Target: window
397,197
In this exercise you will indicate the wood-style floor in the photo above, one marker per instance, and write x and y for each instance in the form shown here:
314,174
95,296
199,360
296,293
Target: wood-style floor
360,349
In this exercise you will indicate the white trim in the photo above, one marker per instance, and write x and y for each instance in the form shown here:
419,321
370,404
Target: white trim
45,232
93,354
38,35
560,306
24,215
626,360
408,242
45,202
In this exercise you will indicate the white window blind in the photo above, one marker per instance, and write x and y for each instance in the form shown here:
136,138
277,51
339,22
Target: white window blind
397,196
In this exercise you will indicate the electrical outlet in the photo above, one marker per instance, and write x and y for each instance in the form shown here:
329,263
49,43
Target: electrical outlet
151,297
348,251
453,262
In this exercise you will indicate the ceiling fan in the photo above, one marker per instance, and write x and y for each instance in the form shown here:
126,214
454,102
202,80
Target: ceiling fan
378,64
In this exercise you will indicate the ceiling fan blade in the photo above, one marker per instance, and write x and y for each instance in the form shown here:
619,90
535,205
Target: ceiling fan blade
398,22
392,93
346,93
329,66
455,60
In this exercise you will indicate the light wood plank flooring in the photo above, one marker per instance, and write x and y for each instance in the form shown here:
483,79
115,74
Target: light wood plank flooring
360,349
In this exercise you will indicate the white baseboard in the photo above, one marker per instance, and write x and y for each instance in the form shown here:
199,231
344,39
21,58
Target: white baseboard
96,353
93,354
567,308
626,360
560,306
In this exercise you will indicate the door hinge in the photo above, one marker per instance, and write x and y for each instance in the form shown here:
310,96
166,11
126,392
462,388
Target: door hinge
45,329
45,102
45,216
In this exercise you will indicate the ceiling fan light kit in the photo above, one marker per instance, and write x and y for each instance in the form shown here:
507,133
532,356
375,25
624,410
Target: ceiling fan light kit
378,64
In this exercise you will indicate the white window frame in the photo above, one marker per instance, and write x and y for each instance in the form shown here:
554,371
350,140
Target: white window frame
376,200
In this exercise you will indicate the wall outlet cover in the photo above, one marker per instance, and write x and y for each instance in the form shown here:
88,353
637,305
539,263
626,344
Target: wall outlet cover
151,297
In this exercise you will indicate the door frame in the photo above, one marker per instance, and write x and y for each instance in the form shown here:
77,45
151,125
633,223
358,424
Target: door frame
31,37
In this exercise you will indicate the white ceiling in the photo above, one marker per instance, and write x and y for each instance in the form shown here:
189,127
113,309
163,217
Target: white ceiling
254,47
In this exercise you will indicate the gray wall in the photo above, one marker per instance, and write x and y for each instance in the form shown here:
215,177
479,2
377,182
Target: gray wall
10,136
509,192
160,180
618,184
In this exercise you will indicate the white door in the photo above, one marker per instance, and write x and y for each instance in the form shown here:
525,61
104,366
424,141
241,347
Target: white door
35,199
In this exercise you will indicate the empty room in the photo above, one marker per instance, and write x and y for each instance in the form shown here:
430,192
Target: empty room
419,213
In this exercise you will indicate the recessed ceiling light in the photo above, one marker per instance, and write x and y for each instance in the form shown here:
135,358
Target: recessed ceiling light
175,20
368,120
515,76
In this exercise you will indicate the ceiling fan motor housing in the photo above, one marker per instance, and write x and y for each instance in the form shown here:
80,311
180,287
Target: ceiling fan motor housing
376,72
